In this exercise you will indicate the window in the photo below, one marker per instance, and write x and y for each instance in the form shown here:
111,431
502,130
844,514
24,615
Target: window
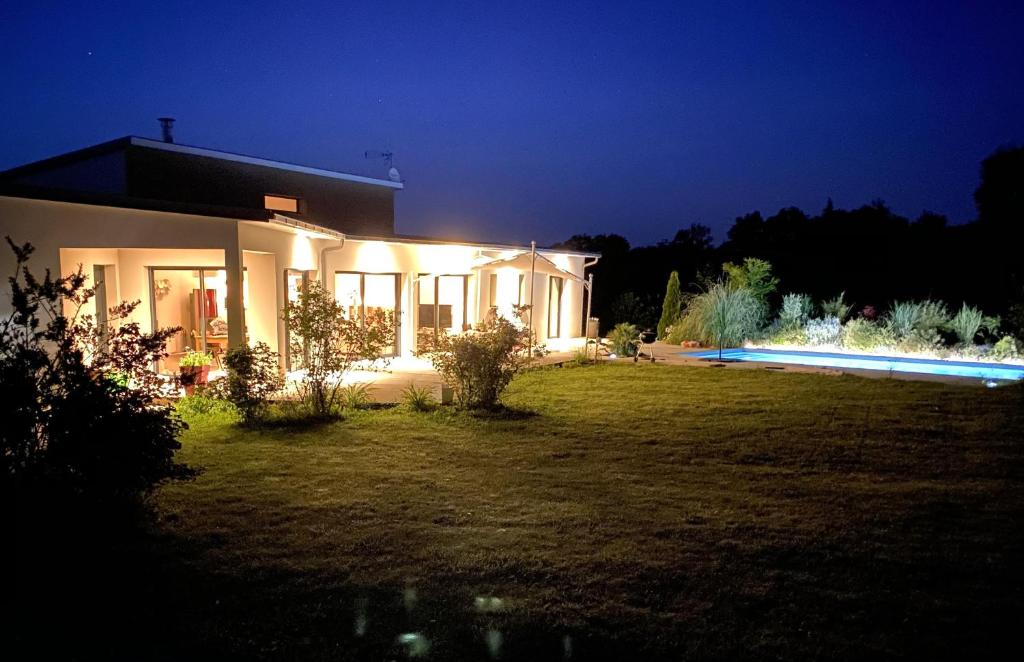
555,287
281,203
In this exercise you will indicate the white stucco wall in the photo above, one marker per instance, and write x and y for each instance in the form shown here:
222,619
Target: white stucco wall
67,234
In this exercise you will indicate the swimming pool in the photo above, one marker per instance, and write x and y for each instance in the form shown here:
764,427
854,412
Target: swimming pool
868,362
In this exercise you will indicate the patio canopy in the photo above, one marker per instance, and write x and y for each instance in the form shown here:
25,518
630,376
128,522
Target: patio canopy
522,262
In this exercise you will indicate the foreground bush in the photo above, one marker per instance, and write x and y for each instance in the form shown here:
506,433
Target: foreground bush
479,365
254,376
81,410
332,344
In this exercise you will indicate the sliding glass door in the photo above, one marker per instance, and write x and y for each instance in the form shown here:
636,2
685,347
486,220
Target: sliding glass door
194,299
441,306
369,296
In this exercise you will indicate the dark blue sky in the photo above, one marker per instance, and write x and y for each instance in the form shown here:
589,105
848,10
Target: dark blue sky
513,121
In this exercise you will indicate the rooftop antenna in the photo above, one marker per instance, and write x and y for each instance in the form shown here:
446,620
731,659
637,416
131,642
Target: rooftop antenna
166,128
389,158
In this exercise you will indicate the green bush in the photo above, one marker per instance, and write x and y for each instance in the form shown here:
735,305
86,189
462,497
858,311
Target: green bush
82,415
920,340
479,365
624,339
418,398
332,343
826,331
787,335
837,308
866,335
254,376
796,310
1006,348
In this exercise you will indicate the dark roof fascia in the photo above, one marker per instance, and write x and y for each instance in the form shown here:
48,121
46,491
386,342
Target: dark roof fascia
67,157
125,202
190,150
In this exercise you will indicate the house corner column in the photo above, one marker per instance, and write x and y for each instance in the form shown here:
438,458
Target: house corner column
235,309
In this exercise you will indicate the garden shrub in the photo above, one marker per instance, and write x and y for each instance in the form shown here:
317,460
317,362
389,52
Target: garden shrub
81,409
796,310
624,339
333,343
254,376
866,335
1006,348
921,341
479,365
837,308
824,331
786,335
755,277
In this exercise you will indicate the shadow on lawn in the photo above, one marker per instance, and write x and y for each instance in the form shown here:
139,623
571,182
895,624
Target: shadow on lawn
88,590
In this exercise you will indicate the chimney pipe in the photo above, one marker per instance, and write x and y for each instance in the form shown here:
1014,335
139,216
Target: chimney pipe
166,126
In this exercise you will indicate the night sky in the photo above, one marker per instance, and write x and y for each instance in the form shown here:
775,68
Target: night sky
538,122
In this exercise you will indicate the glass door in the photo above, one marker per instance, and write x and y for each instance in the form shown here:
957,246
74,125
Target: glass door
441,307
369,297
195,301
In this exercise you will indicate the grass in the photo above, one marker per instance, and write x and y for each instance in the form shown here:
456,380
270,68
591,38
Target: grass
617,511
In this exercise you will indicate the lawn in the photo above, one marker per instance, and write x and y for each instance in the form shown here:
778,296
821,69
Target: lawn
618,511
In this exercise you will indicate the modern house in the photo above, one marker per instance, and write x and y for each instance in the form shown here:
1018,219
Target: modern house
219,244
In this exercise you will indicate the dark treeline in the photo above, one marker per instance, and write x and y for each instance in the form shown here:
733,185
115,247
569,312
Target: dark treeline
872,254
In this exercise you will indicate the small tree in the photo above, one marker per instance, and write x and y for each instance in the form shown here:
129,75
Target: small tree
333,343
254,376
478,365
81,409
670,308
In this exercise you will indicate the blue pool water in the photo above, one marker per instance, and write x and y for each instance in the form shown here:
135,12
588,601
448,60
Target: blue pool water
867,362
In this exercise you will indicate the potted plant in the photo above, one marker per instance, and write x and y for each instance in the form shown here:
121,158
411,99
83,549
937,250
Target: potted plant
194,369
